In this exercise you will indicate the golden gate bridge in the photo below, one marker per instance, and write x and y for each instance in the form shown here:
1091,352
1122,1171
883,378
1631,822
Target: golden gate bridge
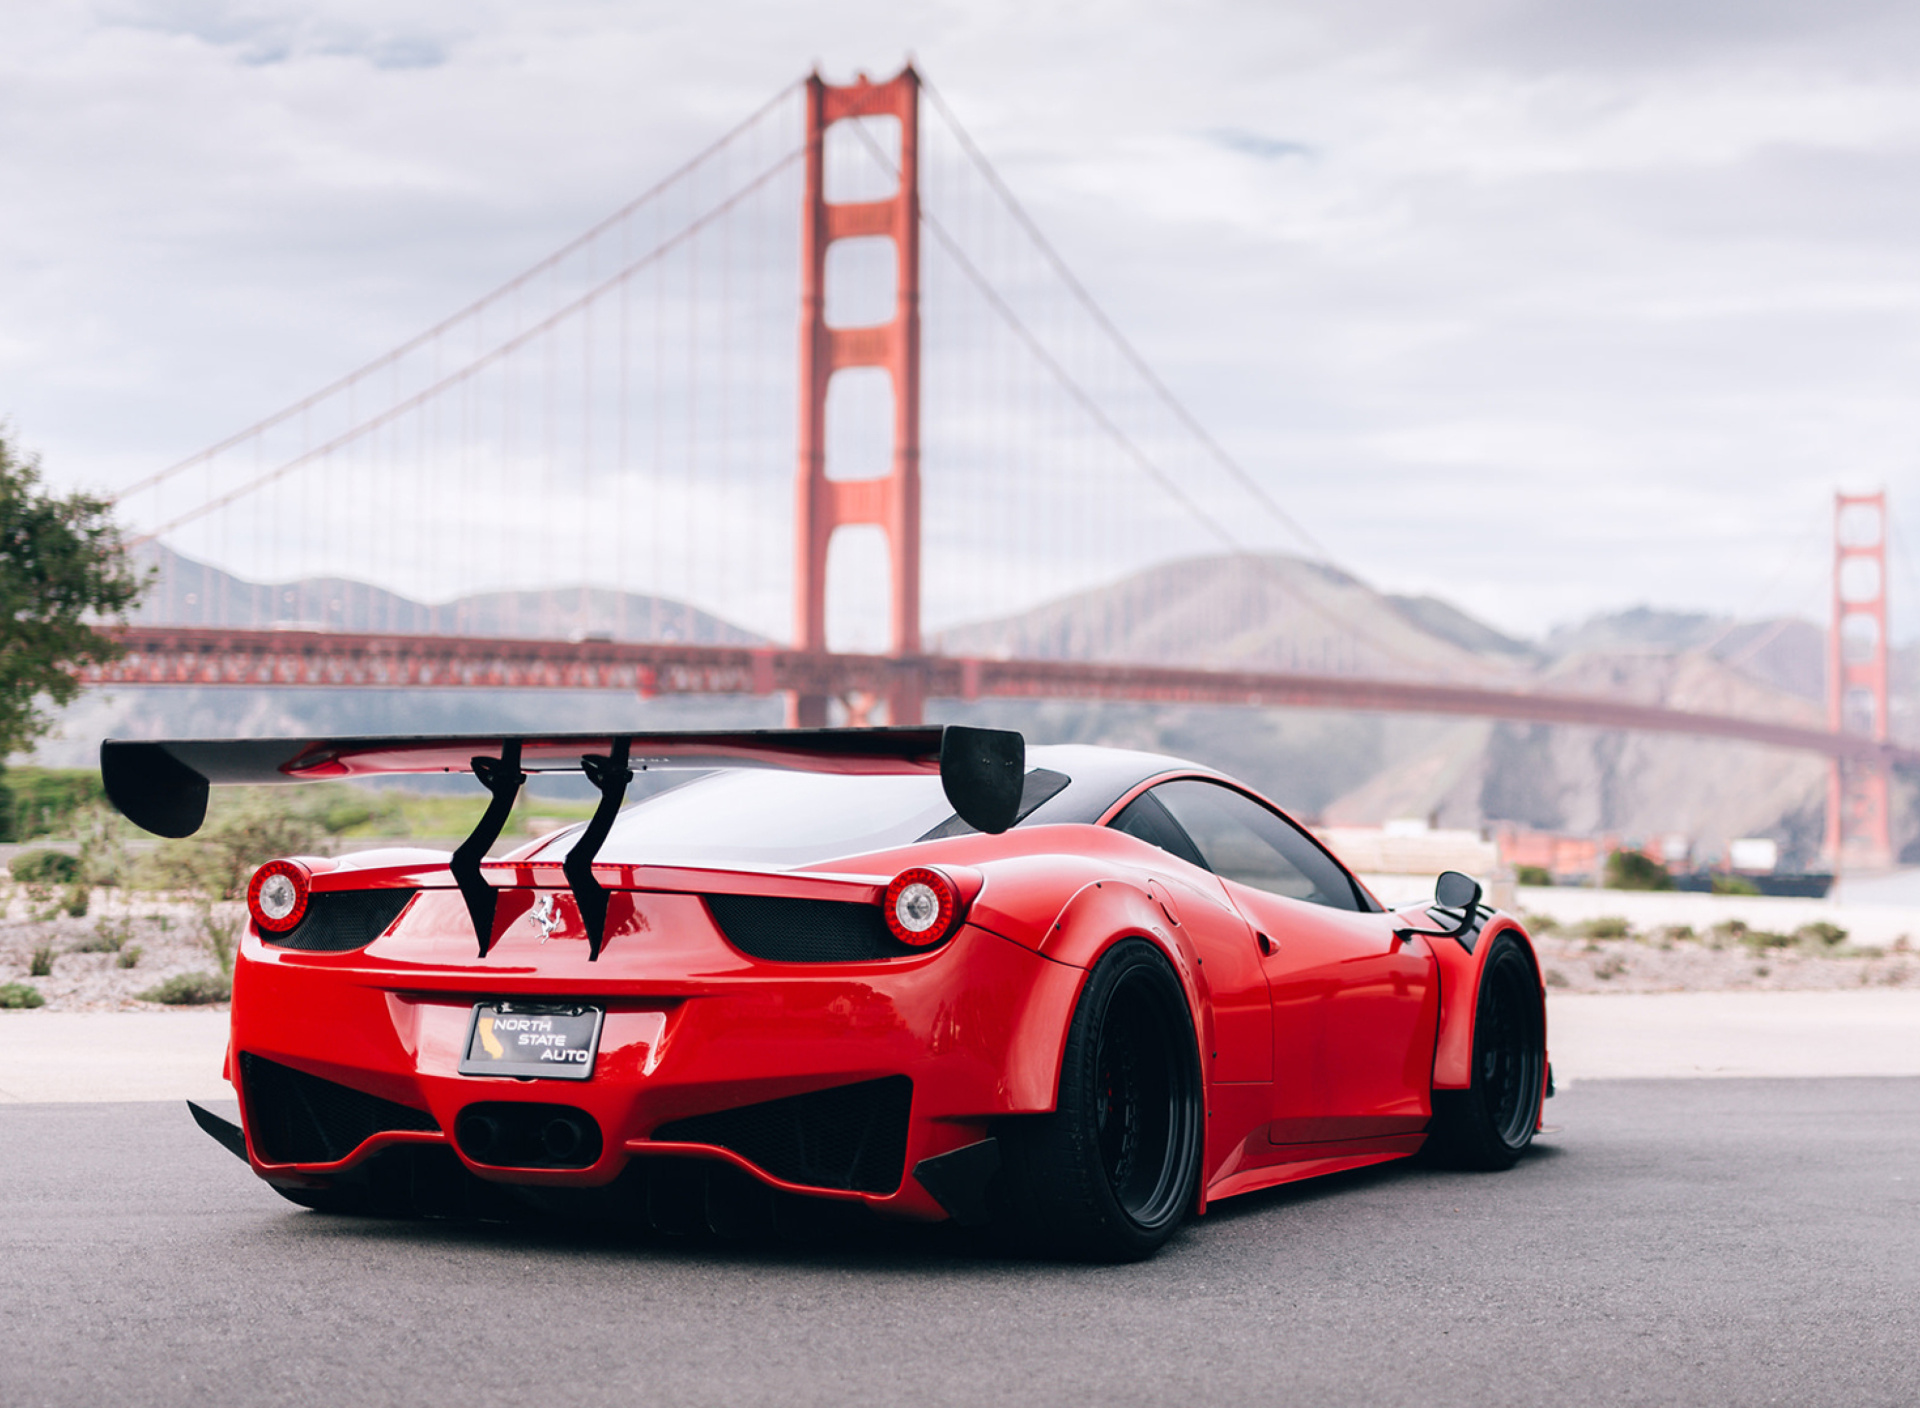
974,436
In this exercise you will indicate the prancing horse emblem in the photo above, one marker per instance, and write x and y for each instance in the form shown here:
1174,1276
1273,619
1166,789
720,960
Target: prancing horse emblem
546,913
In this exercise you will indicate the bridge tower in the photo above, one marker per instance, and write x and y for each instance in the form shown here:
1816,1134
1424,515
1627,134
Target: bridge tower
891,501
1859,821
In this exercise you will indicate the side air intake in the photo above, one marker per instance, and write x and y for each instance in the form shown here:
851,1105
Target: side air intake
295,1118
338,921
850,1136
782,930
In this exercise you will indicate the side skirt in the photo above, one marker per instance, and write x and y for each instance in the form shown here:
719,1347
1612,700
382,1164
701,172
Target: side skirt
1317,1160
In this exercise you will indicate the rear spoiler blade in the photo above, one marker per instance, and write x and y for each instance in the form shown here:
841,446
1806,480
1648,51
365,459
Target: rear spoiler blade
162,787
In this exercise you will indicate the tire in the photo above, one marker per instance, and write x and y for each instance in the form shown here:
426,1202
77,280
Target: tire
1490,1124
1112,1173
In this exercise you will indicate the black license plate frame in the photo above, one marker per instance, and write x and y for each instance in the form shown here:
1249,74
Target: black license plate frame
535,1040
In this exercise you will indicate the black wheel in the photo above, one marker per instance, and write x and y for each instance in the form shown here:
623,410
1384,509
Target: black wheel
1113,1171
1489,1124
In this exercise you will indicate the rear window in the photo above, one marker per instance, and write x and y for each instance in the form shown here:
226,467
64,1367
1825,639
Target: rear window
767,817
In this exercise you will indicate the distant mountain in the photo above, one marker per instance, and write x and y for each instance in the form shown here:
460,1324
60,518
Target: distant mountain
1248,612
1785,652
1283,613
187,592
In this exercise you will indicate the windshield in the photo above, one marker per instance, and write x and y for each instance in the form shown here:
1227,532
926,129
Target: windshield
756,816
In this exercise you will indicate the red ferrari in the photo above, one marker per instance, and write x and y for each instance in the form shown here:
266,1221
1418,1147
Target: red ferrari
1074,992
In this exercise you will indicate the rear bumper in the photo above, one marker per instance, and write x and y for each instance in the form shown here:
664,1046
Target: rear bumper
692,1028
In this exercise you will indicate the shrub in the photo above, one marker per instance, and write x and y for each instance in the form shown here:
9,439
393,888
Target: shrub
1539,923
1758,939
20,995
45,799
1612,966
41,964
107,937
190,990
45,868
1607,926
1532,875
129,956
1820,933
1679,933
78,898
1629,870
219,861
1729,931
1734,885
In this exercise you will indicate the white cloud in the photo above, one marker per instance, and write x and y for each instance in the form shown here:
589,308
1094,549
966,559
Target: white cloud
1545,308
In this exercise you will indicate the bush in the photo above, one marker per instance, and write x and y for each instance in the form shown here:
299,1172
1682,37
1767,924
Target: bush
190,990
129,956
1758,939
107,937
1734,885
45,799
1607,926
1629,870
20,995
1820,933
45,868
78,898
1539,923
1532,875
230,847
41,964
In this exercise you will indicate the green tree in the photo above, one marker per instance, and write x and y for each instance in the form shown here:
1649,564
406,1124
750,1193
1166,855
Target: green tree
63,570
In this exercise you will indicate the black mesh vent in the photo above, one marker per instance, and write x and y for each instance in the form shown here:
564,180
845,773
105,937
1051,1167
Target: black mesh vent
296,1118
852,1136
339,920
805,931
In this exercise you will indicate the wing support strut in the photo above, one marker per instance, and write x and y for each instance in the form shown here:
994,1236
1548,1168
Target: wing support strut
502,777
610,774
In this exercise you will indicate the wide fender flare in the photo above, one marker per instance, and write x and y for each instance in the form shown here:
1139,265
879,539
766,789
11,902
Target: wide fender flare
1107,912
1459,973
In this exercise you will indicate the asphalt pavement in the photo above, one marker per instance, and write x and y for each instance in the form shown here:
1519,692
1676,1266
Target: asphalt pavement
1684,1242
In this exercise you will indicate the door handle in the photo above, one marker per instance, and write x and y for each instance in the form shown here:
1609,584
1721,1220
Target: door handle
1267,945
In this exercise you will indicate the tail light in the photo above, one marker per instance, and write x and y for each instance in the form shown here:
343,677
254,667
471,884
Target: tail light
923,907
277,895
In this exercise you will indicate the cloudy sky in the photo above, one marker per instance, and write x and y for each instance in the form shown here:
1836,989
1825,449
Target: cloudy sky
1551,308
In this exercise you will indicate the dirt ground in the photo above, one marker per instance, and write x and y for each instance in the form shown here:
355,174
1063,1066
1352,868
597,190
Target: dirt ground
1661,961
169,935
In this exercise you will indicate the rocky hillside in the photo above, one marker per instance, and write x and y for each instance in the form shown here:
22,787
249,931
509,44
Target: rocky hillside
186,592
1223,612
1358,770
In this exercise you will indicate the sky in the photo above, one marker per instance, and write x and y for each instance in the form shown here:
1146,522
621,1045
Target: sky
1549,309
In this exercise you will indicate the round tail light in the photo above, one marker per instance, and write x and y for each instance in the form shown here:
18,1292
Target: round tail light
923,907
277,895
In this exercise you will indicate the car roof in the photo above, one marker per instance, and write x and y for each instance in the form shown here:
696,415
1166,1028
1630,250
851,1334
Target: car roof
1099,778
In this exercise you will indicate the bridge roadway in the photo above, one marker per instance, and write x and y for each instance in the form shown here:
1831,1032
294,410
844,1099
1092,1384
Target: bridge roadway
217,656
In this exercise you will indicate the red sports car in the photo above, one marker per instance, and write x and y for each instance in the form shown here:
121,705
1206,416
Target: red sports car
1075,992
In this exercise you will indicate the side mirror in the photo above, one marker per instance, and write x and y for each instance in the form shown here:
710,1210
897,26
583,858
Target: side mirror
1454,890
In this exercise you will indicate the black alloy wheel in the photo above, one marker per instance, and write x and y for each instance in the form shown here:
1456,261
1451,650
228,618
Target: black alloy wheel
1113,1171
1491,1123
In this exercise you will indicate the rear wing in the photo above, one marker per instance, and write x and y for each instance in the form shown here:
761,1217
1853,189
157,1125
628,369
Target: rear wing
162,787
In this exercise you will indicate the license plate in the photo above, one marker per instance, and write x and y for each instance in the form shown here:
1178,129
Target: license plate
532,1039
